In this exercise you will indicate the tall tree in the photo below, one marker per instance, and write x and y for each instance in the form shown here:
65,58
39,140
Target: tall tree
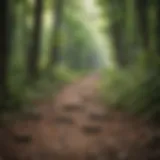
58,14
123,27
158,27
36,40
142,8
4,51
117,14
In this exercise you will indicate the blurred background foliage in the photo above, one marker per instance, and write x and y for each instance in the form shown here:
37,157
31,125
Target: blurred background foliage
133,84
50,43
53,42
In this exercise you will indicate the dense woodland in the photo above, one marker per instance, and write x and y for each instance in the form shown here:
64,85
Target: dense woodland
134,30
90,65
50,43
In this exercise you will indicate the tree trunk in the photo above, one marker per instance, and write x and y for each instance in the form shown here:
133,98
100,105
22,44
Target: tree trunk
4,52
158,28
58,13
34,49
118,40
142,6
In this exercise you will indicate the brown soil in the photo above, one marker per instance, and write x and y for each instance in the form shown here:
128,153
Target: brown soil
76,125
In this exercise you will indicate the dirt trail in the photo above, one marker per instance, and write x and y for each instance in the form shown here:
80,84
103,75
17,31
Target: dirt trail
75,125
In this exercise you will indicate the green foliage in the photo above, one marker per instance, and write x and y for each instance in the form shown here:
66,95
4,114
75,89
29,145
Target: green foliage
47,85
134,89
64,75
118,86
77,41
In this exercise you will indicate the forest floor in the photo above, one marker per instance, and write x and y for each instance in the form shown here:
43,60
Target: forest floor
77,125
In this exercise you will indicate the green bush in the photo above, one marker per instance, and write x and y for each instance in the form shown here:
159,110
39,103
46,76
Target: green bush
135,89
48,83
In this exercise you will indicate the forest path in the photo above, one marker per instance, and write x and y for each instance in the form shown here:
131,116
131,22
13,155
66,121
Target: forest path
75,125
